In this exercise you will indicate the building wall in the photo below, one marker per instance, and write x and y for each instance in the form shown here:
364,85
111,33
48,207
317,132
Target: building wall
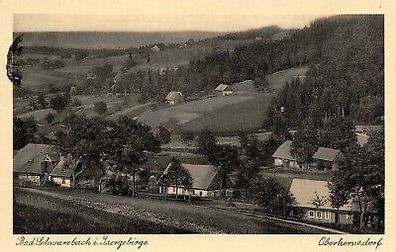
324,216
288,164
193,192
328,216
35,179
63,182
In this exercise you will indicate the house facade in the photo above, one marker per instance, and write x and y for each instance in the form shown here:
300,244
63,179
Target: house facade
33,163
206,182
313,203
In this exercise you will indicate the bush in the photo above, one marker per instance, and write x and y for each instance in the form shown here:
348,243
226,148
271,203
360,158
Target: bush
59,102
100,107
76,102
50,117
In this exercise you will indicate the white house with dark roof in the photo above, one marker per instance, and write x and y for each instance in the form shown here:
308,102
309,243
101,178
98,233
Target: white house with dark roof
206,181
224,89
33,163
283,157
324,158
174,97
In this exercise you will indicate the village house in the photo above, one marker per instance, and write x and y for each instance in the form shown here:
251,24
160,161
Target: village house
33,163
283,157
155,48
174,97
206,182
313,203
65,172
327,158
324,158
224,89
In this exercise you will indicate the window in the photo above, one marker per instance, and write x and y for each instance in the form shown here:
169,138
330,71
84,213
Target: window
318,214
63,180
348,216
327,215
311,214
200,193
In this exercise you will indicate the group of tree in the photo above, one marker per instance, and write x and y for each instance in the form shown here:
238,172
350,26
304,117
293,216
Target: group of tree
100,107
336,132
23,132
346,77
49,64
360,179
124,144
60,101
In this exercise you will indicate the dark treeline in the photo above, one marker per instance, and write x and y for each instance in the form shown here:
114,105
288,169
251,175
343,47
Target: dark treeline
69,52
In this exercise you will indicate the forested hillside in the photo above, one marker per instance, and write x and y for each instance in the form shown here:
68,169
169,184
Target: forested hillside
345,78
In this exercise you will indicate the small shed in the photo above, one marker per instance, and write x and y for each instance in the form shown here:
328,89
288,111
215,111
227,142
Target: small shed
174,97
224,89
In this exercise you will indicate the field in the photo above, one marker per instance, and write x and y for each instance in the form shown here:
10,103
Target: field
243,111
60,211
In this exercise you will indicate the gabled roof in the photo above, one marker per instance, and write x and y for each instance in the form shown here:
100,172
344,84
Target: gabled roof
173,95
64,168
202,175
29,158
326,154
283,151
305,191
222,87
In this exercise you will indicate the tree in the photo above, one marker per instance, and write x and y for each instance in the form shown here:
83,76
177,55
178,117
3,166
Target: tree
227,159
41,101
50,117
338,133
177,176
360,177
59,102
305,143
100,107
76,102
270,195
125,144
164,135
23,132
187,138
206,142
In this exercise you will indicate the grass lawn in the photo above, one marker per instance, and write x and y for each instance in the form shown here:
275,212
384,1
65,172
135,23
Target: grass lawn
138,215
243,111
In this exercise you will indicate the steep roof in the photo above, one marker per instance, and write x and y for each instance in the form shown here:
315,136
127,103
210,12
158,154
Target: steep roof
29,158
326,154
222,87
64,168
283,151
305,191
173,95
202,175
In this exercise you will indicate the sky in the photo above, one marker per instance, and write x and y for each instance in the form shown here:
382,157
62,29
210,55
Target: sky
151,23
